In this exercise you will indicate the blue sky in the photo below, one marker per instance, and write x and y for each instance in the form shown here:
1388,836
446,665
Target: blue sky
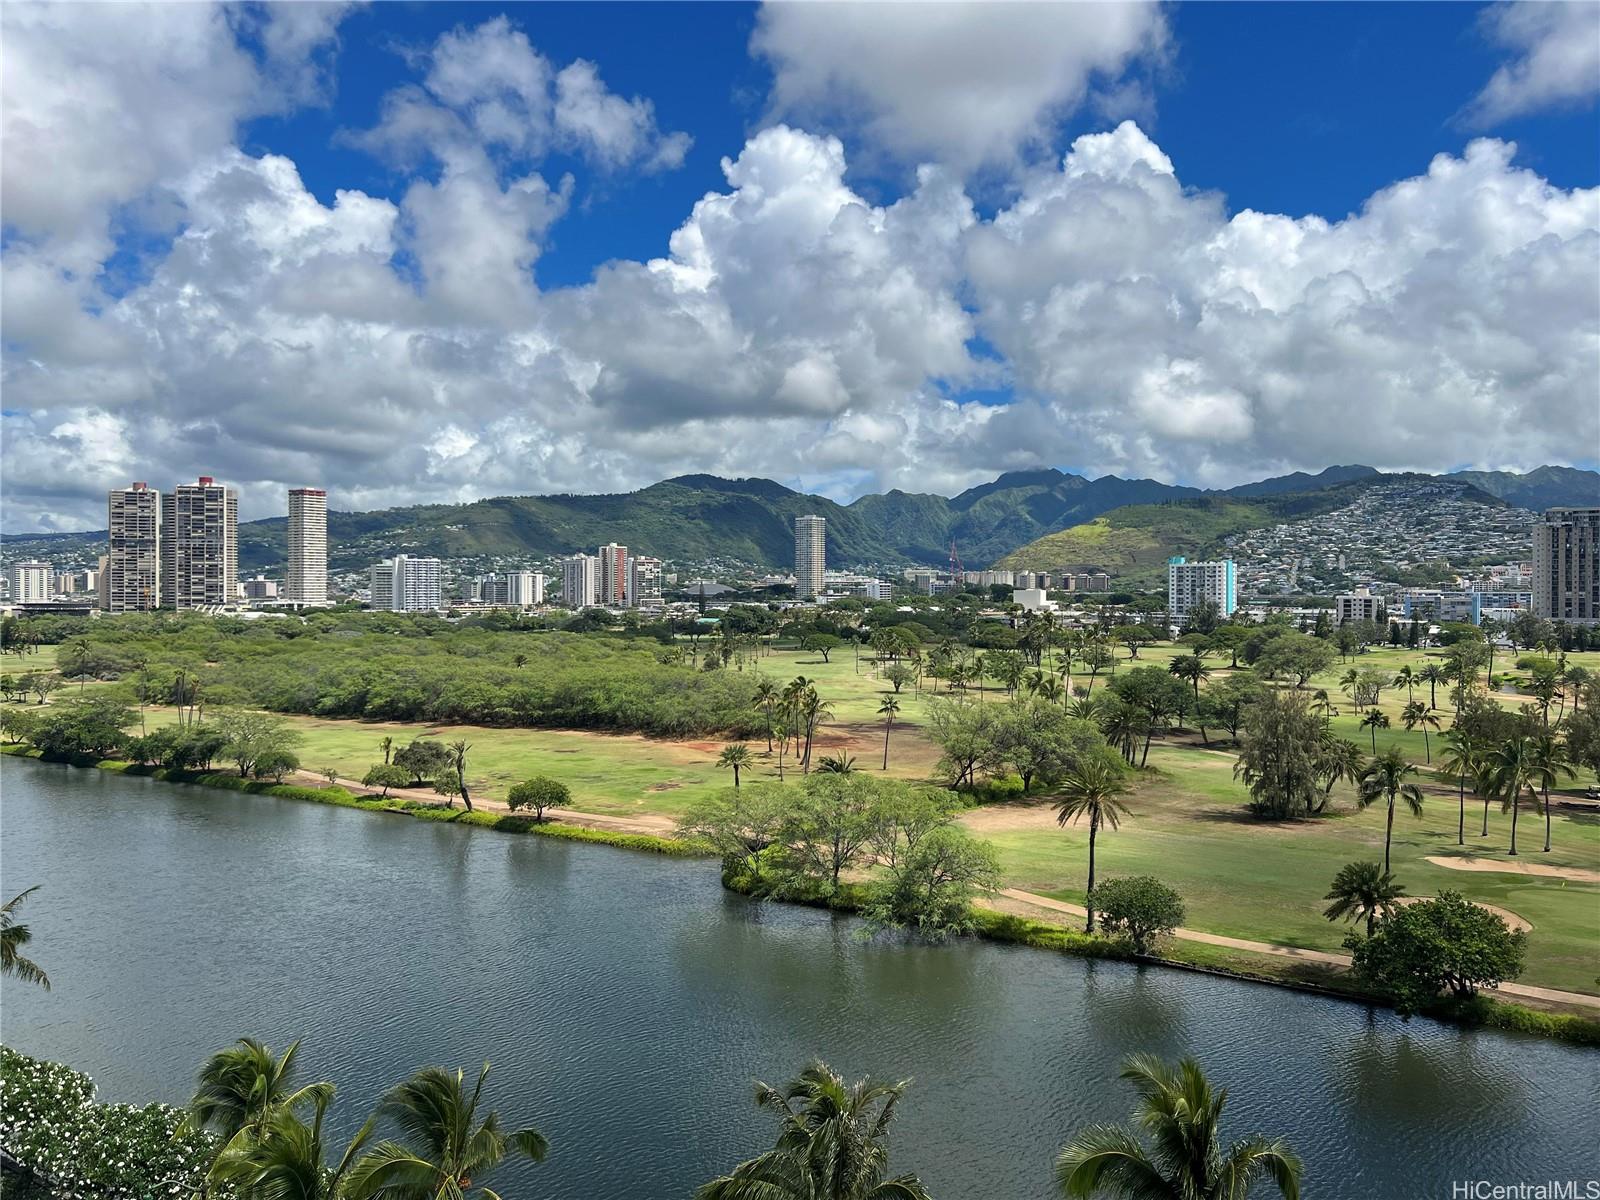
429,251
1291,108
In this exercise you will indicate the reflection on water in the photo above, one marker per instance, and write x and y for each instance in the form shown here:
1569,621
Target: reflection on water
627,1003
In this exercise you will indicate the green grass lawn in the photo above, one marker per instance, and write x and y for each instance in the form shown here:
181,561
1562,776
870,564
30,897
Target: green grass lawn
1188,825
1250,879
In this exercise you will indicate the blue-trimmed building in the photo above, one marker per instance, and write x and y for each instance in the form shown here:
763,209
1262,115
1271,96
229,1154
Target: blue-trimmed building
1188,583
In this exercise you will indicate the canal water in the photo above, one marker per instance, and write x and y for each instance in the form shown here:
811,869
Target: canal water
627,1004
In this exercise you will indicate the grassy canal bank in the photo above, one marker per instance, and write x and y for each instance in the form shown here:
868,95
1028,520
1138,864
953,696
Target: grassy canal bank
993,925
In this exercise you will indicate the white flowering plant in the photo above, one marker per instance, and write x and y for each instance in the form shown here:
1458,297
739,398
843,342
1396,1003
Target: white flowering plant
51,1124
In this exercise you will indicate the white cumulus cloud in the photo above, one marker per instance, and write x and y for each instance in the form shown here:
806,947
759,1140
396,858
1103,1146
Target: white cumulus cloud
1555,48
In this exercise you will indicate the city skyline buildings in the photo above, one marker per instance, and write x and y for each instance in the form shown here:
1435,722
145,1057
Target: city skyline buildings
130,580
1566,565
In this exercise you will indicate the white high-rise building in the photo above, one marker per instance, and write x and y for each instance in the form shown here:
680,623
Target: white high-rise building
612,585
525,589
307,581
810,556
1566,565
580,576
407,584
1188,583
30,582
199,545
130,580
644,581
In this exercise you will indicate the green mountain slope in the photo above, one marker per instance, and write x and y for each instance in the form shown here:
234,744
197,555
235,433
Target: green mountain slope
698,517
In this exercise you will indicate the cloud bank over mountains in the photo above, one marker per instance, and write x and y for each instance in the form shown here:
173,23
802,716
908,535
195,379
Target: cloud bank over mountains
401,350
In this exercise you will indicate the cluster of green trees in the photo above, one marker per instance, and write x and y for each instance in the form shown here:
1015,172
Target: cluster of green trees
806,839
1414,952
368,666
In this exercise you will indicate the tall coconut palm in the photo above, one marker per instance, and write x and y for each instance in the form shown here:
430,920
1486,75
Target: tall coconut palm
735,757
1433,675
1362,890
1091,790
386,744
446,1146
1375,721
1416,714
766,698
1406,678
887,708
1463,761
1551,759
1511,768
1191,668
239,1089
833,1144
1385,778
1186,1161
13,937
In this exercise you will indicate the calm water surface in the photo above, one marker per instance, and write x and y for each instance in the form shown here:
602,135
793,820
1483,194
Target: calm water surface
627,1003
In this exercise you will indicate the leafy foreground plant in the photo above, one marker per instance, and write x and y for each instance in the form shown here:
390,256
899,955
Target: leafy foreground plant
12,938
51,1125
833,1144
1182,1115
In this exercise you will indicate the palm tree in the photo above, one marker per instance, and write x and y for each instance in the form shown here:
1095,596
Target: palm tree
1091,789
1350,682
446,1145
386,744
1179,1110
1551,759
458,759
1190,667
887,708
1463,760
1414,714
832,1144
1385,777
1362,890
1323,707
766,697
1433,675
285,1159
1339,759
736,756
13,937
1406,678
1511,769
240,1088
1375,721
836,764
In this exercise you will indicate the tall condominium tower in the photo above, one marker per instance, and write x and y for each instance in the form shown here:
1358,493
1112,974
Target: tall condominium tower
525,589
810,556
407,584
307,582
644,581
1188,583
199,545
1566,565
613,582
579,580
130,581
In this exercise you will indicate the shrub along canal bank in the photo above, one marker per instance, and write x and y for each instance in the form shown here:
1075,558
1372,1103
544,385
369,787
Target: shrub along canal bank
988,924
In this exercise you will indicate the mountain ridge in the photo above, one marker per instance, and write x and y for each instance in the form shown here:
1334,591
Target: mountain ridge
700,516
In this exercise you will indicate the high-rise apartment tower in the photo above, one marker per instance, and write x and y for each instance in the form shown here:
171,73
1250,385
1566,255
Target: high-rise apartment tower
810,556
130,581
307,581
